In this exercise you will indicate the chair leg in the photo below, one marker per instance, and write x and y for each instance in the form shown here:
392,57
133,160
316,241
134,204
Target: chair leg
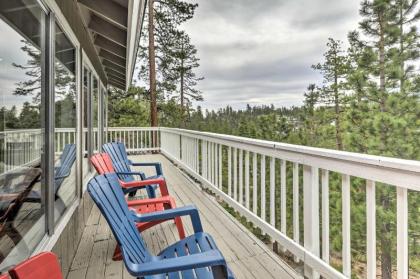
151,192
180,227
117,254
178,221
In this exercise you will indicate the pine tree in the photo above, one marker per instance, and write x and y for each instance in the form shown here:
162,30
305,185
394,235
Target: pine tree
32,68
29,117
179,68
408,49
334,71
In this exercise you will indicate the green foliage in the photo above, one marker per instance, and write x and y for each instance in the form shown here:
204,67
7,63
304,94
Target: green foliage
127,109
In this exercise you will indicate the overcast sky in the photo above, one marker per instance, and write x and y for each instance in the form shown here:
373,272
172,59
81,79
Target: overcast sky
260,51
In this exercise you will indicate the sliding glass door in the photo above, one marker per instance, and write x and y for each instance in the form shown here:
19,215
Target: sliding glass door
65,95
22,101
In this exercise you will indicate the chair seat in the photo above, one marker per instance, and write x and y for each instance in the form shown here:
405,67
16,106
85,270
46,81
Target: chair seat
196,243
148,208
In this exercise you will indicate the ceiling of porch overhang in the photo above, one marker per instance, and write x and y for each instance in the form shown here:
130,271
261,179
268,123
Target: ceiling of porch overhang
109,24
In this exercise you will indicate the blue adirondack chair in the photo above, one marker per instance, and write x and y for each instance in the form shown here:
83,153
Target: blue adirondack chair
196,256
122,164
61,172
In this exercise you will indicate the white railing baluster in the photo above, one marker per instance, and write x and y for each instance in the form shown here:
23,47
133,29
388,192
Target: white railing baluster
235,174
325,216
346,225
296,236
272,191
150,139
371,229
263,214
210,162
241,178
247,179
230,171
213,163
402,233
283,193
220,166
254,183
311,214
216,164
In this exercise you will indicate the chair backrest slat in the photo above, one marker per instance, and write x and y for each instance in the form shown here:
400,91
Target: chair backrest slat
108,196
67,159
119,157
102,163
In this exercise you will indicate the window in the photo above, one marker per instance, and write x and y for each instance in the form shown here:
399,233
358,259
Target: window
65,122
105,114
95,112
86,119
22,219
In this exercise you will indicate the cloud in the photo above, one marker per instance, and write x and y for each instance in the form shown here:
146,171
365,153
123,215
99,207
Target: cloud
260,52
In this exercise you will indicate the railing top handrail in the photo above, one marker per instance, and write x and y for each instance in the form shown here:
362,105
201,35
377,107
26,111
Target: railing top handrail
380,161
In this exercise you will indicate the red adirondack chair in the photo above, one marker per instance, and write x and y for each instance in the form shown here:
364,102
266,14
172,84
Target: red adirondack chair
103,165
42,266
4,276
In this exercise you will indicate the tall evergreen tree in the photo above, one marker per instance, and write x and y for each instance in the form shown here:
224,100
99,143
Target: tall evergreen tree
334,70
181,61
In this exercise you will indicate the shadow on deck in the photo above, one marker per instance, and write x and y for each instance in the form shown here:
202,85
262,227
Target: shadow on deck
247,256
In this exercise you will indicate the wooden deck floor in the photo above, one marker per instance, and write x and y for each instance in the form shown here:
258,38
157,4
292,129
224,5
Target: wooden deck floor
246,255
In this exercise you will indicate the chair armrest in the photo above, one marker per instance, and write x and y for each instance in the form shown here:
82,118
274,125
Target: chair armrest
198,260
190,210
158,166
139,173
163,200
148,182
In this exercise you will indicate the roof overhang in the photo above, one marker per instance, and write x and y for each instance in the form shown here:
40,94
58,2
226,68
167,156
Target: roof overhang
114,27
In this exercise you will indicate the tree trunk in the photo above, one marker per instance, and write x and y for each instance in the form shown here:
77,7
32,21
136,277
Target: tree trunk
182,88
338,137
386,263
402,65
152,68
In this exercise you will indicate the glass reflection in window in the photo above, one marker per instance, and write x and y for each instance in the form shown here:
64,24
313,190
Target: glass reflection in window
65,123
22,219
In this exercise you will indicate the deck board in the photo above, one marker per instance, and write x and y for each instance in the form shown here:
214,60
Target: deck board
247,256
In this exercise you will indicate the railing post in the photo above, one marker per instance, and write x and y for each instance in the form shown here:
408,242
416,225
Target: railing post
296,236
254,183
311,214
325,216
235,174
220,167
272,191
346,225
371,229
402,233
263,194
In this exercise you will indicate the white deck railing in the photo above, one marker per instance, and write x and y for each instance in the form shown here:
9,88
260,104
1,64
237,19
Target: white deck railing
243,173
235,169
